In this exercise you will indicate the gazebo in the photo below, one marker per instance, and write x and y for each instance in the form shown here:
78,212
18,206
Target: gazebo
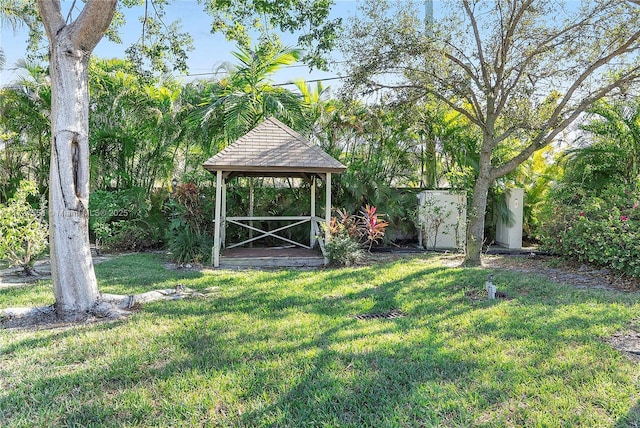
271,149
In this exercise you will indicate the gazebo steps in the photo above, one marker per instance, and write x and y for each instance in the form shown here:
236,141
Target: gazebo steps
270,257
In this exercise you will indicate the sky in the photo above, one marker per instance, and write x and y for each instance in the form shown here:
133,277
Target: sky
210,50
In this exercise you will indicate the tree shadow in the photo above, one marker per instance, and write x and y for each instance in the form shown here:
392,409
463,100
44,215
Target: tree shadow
261,354
631,419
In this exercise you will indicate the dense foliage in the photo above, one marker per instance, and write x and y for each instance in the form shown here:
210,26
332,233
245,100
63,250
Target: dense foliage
23,231
393,145
348,235
596,230
592,213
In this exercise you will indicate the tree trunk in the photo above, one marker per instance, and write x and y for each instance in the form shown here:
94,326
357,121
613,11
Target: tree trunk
475,222
74,280
70,46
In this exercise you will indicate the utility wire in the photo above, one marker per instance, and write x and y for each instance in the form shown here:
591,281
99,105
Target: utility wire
324,79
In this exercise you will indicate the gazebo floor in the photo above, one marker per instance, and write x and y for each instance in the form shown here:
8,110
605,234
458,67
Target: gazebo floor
270,257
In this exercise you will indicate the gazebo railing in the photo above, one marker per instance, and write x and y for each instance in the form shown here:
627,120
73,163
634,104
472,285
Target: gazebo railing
296,221
319,234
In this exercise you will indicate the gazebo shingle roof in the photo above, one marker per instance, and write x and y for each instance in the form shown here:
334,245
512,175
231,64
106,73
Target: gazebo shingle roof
273,149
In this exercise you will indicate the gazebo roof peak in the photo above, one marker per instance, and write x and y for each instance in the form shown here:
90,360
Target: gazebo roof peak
273,149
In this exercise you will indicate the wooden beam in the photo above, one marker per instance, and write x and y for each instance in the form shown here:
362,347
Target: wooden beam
327,208
223,224
312,234
251,206
266,218
327,212
216,233
269,233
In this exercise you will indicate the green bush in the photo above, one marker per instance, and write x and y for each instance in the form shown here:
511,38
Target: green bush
190,232
127,220
125,235
597,231
343,250
23,231
186,246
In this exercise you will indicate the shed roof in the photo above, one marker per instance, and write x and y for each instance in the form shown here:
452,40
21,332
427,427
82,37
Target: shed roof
273,149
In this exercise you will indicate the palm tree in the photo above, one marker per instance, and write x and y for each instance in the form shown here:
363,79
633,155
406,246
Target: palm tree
248,95
15,13
134,140
616,128
25,107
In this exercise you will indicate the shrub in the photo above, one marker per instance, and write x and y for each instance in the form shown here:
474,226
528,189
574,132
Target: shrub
127,220
371,225
125,235
189,237
598,231
348,234
23,231
343,250
186,246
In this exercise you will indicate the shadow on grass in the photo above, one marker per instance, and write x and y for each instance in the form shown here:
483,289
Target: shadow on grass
631,420
138,273
283,348
374,387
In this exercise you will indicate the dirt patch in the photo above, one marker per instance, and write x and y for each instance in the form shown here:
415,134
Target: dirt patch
42,318
564,272
627,342
15,277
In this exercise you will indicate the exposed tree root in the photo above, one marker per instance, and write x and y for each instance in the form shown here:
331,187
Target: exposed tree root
109,307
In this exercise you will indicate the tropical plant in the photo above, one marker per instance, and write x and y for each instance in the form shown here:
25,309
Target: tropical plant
366,228
190,231
23,230
25,107
381,152
618,122
372,225
140,148
248,95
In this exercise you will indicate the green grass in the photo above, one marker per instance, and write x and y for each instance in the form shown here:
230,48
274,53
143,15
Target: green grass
282,348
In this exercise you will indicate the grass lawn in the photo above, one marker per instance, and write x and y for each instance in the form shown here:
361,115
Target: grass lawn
283,348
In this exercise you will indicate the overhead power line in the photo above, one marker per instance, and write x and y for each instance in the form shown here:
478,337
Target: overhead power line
324,79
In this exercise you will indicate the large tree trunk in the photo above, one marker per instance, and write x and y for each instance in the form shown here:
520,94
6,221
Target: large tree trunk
70,45
74,280
475,220
475,226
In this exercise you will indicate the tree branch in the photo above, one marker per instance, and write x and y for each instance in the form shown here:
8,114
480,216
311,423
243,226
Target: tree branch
478,40
623,49
94,20
51,15
542,140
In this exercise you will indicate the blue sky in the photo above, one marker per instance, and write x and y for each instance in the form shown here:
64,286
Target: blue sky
210,50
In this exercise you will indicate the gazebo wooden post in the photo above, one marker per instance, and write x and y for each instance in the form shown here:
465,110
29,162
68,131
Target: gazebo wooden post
327,213
223,222
327,208
312,235
216,232
251,208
